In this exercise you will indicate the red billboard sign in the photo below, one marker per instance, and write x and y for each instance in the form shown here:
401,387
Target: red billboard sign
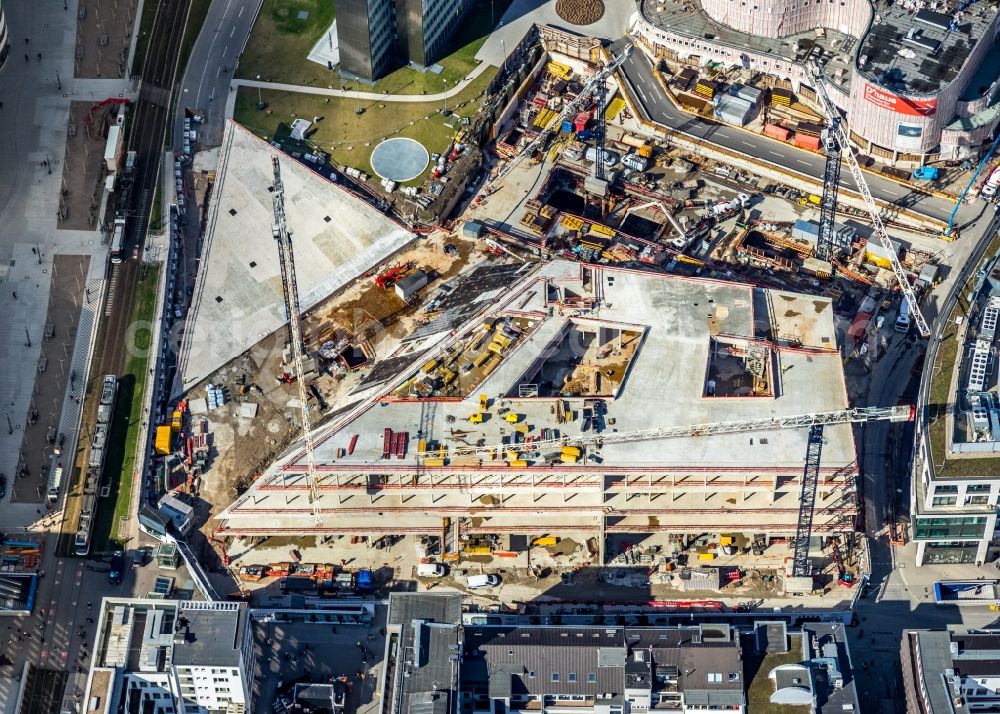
887,100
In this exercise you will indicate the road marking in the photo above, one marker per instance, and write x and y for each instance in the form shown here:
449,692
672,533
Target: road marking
774,153
800,161
225,51
639,90
233,32
746,143
240,14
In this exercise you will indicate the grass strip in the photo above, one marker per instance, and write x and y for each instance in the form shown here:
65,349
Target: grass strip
112,509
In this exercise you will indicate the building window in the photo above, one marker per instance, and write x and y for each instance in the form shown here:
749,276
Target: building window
976,488
977,500
571,677
951,488
715,676
944,500
531,675
555,676
957,527
591,677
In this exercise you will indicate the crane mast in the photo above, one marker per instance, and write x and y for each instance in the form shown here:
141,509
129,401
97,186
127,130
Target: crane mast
847,416
838,131
600,76
828,202
290,288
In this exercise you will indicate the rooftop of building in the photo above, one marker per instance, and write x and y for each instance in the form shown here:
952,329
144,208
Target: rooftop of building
145,635
211,635
572,350
688,18
652,336
964,428
939,654
915,50
603,662
909,50
425,665
238,298
811,666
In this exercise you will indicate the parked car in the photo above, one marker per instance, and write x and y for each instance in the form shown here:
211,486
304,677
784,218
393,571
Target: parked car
117,569
139,557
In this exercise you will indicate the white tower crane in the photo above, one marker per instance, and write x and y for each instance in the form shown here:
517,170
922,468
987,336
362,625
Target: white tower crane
800,421
290,287
838,128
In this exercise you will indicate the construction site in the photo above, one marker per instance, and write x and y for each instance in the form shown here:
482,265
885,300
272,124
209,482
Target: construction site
577,430
622,353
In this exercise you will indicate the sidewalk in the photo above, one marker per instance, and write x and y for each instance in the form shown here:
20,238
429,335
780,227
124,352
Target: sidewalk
372,96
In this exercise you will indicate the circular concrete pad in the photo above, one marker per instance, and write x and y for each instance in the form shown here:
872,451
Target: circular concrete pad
400,159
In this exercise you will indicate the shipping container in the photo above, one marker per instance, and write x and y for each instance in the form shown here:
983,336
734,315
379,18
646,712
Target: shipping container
580,123
806,142
568,458
572,450
776,132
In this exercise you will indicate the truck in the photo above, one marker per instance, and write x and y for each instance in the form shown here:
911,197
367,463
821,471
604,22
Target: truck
989,189
926,173
610,157
903,319
365,581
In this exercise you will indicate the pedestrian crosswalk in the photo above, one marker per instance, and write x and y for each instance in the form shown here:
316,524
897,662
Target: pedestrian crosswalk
109,304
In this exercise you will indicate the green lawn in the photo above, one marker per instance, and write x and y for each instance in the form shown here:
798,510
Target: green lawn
757,668
279,46
350,137
280,42
115,507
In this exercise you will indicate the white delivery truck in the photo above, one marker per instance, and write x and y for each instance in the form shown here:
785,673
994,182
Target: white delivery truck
903,319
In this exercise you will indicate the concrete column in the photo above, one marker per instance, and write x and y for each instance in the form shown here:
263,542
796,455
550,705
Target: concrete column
921,548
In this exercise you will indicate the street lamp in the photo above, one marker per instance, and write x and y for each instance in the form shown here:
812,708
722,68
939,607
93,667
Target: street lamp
445,112
260,99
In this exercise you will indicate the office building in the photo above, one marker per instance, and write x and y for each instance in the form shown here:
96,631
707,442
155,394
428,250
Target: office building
374,34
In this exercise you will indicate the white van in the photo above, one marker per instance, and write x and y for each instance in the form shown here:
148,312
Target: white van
610,157
431,570
903,320
482,581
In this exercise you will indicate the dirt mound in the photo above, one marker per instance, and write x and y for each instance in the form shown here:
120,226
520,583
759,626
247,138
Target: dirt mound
580,12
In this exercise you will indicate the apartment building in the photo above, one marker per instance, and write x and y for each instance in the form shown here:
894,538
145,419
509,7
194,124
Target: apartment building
945,672
171,657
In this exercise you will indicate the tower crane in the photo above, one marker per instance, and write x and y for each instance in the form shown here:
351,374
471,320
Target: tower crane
290,288
839,135
588,89
857,415
810,476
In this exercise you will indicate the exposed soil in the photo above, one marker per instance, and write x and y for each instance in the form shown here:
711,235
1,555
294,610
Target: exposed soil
580,12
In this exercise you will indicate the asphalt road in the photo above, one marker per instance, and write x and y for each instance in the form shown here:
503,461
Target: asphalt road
645,88
210,68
